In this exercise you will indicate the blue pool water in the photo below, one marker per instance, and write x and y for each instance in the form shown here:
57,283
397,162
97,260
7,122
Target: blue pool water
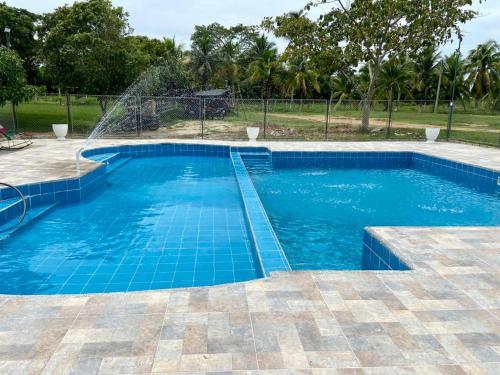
161,222
319,214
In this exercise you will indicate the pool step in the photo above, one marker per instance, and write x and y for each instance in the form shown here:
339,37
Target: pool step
257,162
105,158
33,214
9,209
117,163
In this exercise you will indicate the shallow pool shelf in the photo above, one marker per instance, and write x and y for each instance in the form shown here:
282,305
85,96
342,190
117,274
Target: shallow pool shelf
33,214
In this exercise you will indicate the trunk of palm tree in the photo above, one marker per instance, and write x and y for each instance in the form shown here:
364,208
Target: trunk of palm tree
436,103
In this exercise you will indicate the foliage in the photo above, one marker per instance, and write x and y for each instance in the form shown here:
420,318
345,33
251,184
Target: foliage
425,68
22,37
353,51
13,86
264,66
357,32
483,66
83,47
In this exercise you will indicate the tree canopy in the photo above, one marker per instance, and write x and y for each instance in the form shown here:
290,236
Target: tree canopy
83,47
351,33
23,25
13,85
360,50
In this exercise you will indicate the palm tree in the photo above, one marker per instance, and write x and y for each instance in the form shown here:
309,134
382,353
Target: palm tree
341,87
229,54
454,66
394,80
301,79
425,70
204,56
264,64
481,63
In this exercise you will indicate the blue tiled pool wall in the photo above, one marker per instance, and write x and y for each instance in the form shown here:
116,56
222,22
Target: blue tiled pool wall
376,256
162,149
268,248
10,210
285,159
474,177
61,191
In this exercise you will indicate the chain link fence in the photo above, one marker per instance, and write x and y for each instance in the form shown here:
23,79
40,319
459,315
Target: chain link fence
221,118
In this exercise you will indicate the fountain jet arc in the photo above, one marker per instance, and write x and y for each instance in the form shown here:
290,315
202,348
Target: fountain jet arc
157,85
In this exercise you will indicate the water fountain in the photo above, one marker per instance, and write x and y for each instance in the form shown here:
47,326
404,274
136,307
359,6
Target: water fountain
142,99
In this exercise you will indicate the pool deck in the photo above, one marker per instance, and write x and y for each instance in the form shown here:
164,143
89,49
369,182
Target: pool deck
443,317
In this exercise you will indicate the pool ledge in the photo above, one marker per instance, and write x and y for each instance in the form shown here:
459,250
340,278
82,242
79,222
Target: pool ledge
271,255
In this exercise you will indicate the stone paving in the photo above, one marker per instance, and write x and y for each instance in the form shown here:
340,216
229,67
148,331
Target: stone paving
440,318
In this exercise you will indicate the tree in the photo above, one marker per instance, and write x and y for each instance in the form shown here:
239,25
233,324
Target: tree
143,53
357,32
264,66
236,42
482,65
341,87
205,44
84,48
303,80
13,85
454,67
395,79
23,26
425,66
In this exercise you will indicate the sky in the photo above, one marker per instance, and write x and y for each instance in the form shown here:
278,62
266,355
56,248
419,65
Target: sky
177,18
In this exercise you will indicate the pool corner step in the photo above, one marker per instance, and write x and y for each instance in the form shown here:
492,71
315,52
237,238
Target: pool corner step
257,162
9,209
32,215
117,163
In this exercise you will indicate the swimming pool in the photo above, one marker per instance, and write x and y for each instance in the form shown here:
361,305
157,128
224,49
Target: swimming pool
160,222
319,213
174,215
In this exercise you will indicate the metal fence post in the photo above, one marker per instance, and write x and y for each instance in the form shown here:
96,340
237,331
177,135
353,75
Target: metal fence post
327,118
389,120
138,115
265,105
203,111
69,114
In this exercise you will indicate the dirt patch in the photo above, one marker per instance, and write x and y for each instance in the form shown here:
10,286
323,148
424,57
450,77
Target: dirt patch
377,122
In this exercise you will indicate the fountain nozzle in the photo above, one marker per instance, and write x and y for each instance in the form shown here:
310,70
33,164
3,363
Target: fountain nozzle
78,153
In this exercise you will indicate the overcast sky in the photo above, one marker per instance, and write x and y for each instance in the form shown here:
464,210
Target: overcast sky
169,18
